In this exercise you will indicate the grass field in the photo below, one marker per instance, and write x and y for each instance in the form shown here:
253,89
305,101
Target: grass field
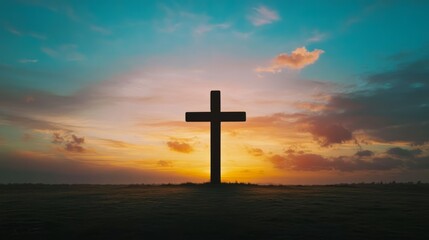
394,211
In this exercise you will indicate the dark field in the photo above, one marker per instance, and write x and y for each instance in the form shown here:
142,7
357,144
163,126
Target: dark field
395,211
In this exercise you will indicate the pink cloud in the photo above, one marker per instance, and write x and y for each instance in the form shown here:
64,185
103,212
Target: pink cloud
298,59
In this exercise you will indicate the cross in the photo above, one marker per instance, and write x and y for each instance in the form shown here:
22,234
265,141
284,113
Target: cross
215,117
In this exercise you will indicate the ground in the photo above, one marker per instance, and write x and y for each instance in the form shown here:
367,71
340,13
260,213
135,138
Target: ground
234,211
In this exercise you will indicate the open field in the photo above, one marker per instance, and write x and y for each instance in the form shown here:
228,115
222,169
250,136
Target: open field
395,211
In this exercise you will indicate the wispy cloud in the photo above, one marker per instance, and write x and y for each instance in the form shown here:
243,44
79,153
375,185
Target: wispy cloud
365,12
298,59
28,60
58,7
164,163
204,28
257,152
243,35
100,29
13,30
197,24
169,26
22,33
63,8
37,35
316,37
31,123
263,15
68,52
117,144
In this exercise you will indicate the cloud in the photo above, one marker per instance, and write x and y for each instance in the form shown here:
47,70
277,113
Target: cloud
403,153
57,7
28,122
292,151
68,52
300,162
316,37
278,161
365,12
100,29
204,28
75,144
63,8
330,134
326,133
180,146
71,147
178,18
37,36
16,72
310,106
57,138
32,101
44,103
400,56
393,107
168,26
71,142
34,167
28,60
257,152
13,30
117,143
315,162
164,163
43,110
263,15
364,153
242,35
298,59
22,33
393,158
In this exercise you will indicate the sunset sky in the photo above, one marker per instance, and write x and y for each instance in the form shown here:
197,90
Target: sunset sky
96,91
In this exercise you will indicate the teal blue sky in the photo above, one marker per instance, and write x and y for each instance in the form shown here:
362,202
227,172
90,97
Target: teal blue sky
326,78
93,40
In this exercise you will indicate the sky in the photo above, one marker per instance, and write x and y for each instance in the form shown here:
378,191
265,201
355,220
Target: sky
96,91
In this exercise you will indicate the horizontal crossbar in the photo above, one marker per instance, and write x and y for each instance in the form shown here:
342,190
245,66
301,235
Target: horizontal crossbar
221,116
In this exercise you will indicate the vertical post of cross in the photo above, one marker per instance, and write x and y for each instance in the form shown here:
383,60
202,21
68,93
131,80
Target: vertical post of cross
215,137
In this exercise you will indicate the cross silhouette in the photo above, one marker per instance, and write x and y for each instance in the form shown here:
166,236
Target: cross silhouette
215,117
